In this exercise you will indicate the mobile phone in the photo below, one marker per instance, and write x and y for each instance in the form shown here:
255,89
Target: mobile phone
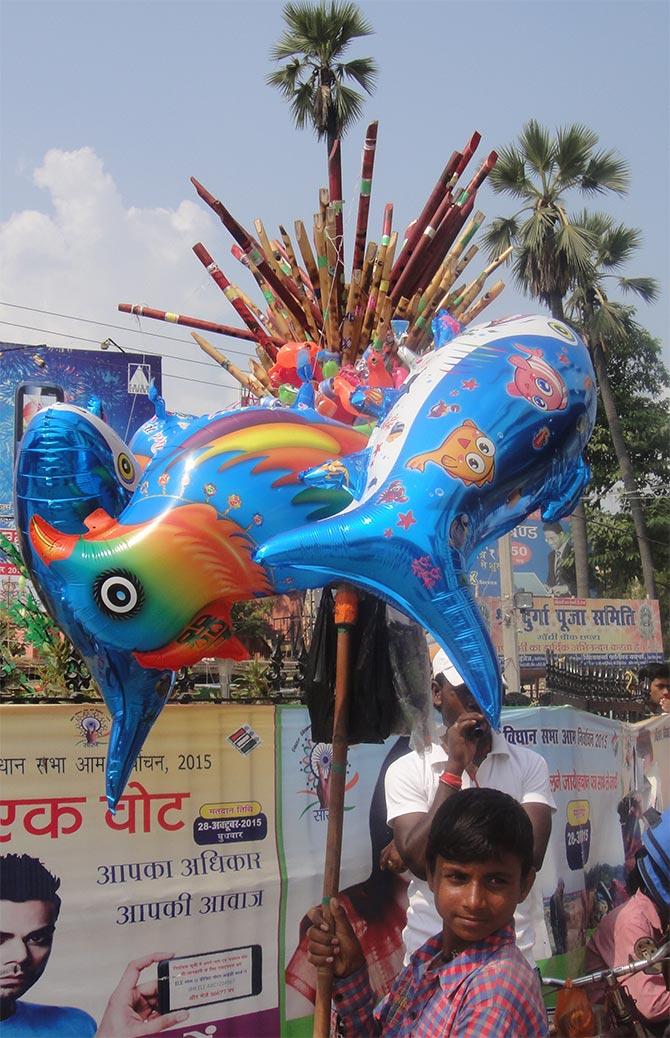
189,981
475,733
31,397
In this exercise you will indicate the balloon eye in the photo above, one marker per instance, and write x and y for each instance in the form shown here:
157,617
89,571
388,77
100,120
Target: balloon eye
543,385
125,468
485,446
540,402
475,462
119,594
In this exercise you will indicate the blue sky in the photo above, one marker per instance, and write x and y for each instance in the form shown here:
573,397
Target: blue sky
108,107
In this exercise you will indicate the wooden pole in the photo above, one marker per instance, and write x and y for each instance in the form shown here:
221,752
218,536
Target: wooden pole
346,609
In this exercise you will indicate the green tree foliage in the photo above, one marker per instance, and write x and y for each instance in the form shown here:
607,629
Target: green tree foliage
58,669
313,78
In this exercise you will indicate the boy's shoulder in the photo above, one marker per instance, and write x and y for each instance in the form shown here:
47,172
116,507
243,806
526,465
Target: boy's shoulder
507,968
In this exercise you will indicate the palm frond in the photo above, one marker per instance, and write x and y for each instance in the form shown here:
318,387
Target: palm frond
499,235
576,244
607,321
363,70
349,105
574,145
537,147
598,224
616,246
286,79
606,172
302,108
509,174
646,288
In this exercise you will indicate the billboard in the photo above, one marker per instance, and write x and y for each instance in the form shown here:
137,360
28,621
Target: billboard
621,632
32,377
539,562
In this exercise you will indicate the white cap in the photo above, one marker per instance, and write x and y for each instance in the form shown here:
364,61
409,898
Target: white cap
443,665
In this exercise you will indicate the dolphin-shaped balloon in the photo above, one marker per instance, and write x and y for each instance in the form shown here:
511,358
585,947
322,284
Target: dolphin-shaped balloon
470,449
486,429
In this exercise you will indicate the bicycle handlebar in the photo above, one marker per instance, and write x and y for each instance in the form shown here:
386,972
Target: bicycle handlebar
617,971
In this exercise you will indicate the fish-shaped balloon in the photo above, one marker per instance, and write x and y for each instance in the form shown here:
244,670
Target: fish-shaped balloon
437,482
71,465
145,584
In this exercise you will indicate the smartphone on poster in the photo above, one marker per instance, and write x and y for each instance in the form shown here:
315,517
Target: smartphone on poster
31,397
189,981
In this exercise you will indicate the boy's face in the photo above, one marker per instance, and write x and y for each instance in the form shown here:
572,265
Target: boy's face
26,936
477,898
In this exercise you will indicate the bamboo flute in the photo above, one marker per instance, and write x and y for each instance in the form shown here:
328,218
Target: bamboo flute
308,258
417,246
230,291
350,315
333,288
369,319
445,181
382,294
313,314
252,249
444,237
324,284
366,275
482,303
466,258
474,288
264,357
247,380
367,169
271,343
336,202
324,202
277,314
261,374
266,246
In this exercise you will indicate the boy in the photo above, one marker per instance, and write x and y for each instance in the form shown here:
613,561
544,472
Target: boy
469,753
470,979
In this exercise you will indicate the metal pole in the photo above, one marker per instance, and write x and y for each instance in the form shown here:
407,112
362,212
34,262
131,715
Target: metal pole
511,669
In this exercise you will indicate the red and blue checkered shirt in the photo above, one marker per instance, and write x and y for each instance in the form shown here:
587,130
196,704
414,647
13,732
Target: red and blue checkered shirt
487,991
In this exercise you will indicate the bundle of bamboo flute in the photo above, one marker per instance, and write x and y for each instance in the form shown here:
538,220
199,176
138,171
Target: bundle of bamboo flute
315,303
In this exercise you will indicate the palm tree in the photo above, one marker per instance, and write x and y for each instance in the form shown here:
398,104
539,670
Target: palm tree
313,78
551,249
605,322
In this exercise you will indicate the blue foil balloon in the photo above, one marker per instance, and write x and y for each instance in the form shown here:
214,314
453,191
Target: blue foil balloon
72,466
492,426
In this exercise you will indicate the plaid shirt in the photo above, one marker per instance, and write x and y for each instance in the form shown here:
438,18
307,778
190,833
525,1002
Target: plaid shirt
487,991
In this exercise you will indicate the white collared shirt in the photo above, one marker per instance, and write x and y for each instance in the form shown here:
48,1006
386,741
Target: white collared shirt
411,783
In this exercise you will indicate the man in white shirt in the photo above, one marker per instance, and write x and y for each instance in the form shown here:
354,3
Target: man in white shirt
469,753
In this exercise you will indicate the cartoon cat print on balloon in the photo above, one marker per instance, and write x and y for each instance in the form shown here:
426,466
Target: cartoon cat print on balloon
466,453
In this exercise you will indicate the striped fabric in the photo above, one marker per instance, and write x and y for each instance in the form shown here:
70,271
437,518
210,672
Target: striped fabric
487,991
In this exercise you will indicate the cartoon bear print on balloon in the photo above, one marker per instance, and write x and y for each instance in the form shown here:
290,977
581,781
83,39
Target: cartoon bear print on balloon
537,382
466,454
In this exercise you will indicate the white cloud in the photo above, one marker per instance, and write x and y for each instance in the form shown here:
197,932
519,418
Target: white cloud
86,251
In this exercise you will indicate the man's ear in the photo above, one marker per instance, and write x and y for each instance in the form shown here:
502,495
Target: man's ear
526,883
436,690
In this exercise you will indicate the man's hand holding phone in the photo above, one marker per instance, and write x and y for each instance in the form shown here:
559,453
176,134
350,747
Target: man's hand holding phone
461,738
132,1010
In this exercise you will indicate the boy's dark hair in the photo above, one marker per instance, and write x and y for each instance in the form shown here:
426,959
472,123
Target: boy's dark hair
651,671
479,825
23,878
